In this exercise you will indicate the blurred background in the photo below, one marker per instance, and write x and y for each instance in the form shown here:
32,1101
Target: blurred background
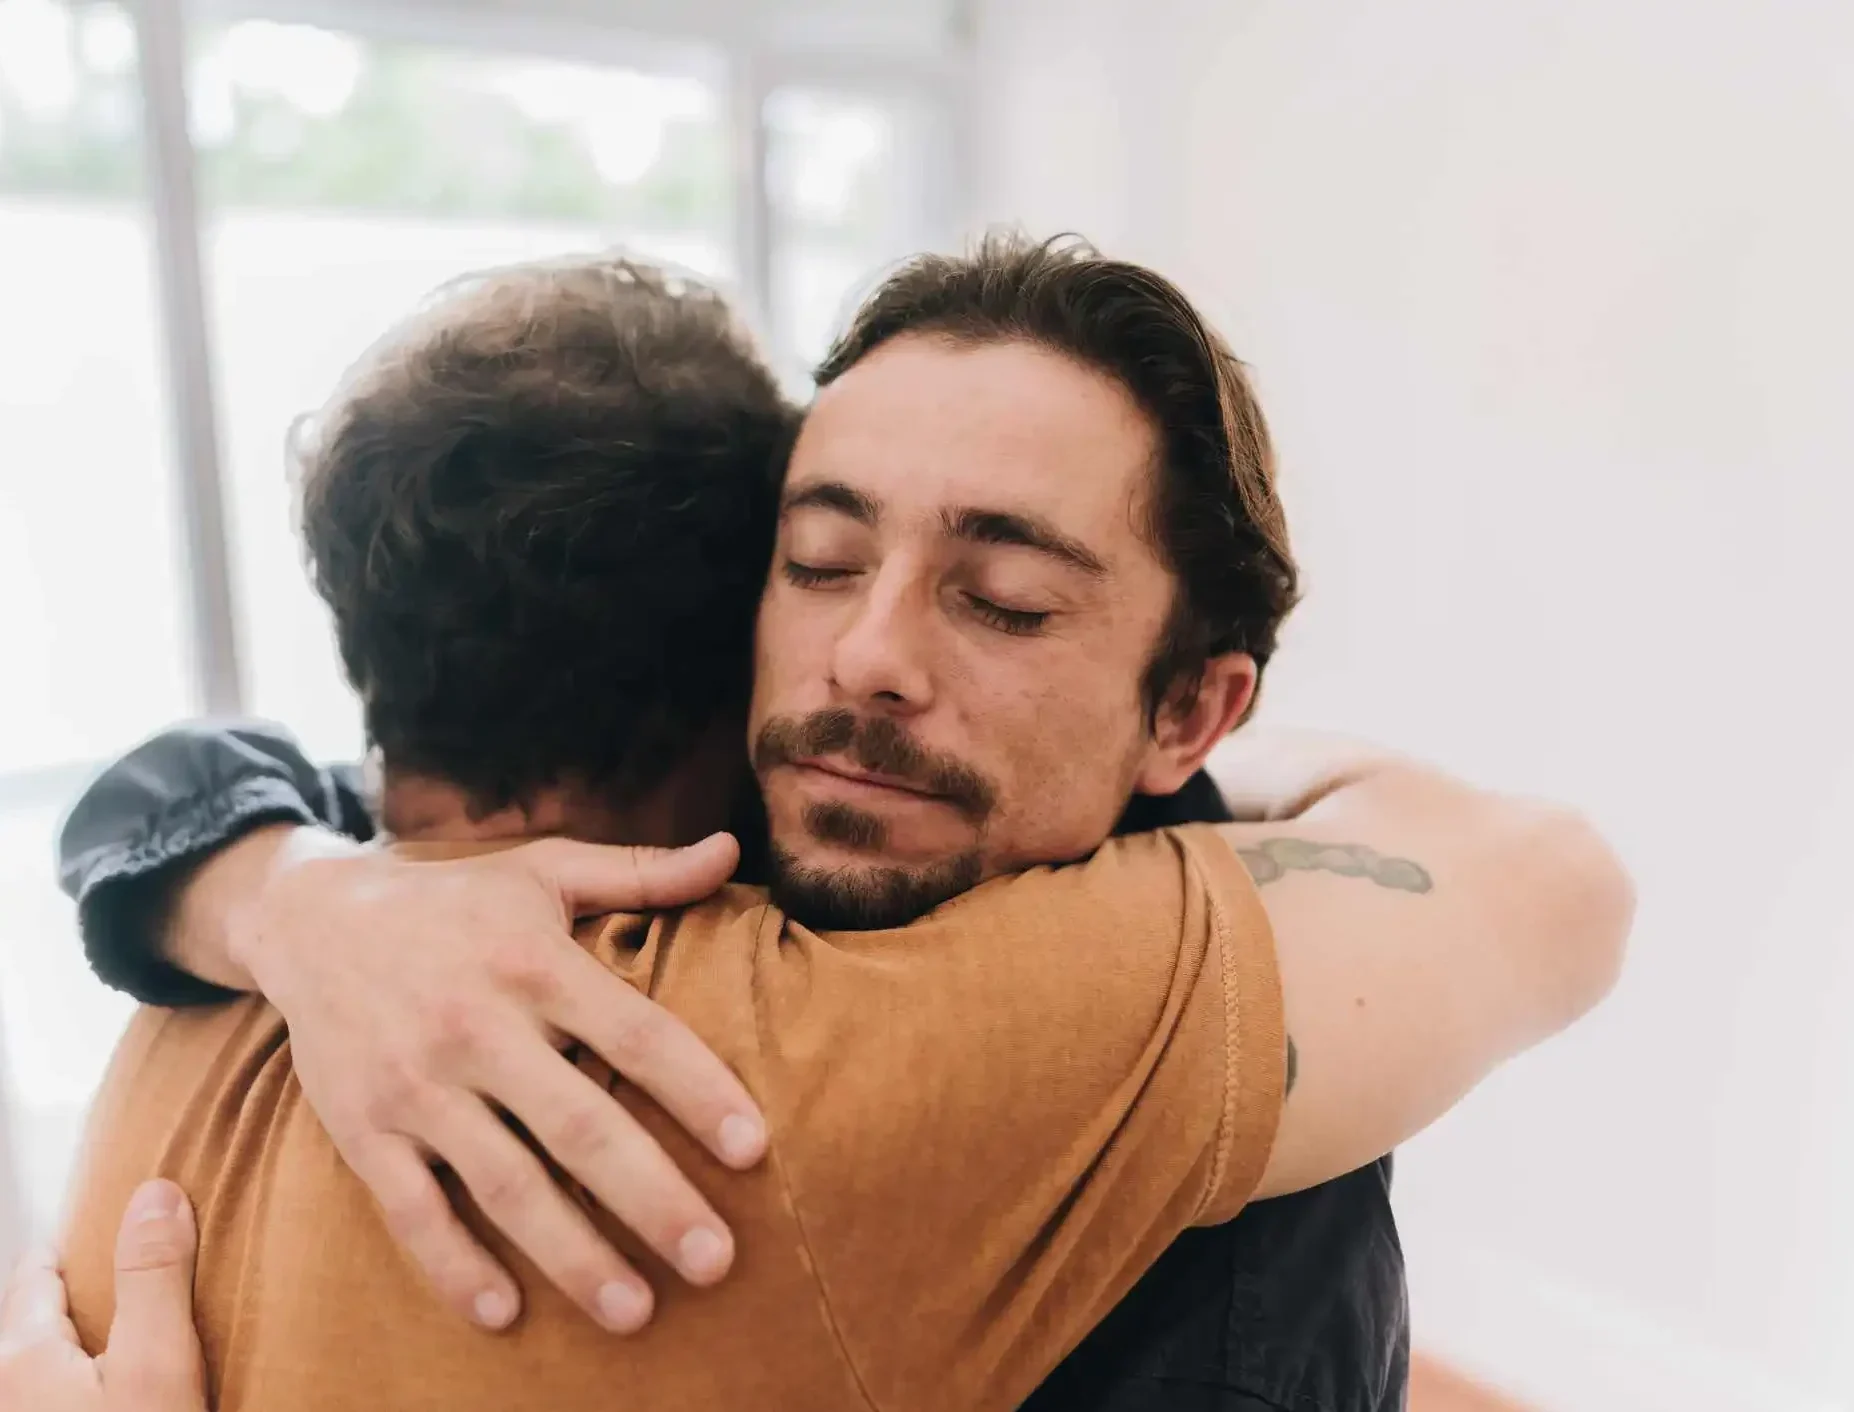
1551,306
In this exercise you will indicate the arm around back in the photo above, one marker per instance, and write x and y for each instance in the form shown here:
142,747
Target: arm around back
1426,931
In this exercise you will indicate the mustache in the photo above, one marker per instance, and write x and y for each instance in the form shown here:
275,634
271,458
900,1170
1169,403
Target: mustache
877,744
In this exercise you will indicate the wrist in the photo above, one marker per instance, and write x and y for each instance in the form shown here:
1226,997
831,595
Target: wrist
1273,775
1296,805
221,933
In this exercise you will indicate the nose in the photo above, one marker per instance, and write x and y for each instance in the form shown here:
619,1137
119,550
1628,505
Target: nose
880,657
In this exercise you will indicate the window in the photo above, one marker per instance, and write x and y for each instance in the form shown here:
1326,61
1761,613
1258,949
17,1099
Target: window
332,166
85,475
848,179
92,629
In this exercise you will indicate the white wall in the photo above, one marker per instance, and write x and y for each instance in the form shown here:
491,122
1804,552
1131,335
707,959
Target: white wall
1552,305
12,1211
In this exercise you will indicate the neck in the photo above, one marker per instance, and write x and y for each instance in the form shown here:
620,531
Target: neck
695,800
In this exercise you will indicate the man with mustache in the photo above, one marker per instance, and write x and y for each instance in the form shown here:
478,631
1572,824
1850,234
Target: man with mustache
880,689
884,750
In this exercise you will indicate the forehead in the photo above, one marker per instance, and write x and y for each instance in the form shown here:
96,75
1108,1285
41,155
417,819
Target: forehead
925,423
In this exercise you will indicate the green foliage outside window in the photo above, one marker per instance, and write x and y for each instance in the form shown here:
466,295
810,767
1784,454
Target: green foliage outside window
418,132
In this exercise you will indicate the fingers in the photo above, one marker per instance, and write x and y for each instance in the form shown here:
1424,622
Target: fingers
34,1305
593,1136
518,1196
638,1038
662,1056
594,877
420,1219
154,1350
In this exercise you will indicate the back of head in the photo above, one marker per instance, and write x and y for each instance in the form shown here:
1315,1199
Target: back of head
1214,516
540,511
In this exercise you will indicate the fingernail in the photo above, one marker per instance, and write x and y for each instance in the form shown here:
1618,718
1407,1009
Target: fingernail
623,1307
154,1201
702,1255
742,1140
493,1309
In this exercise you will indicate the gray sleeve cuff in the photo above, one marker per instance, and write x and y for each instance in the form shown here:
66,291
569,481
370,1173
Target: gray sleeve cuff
125,889
137,832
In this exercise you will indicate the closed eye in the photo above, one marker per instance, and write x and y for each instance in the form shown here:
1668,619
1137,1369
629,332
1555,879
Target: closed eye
812,575
1020,622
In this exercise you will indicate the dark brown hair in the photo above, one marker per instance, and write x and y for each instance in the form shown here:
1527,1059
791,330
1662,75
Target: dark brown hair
1214,515
541,512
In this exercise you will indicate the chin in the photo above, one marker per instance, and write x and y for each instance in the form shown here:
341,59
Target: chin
835,890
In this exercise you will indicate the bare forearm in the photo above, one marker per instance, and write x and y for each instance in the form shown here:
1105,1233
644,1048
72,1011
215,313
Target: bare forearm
1426,931
203,934
1361,811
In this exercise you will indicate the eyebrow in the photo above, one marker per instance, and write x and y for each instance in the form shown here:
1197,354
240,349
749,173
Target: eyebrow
970,523
865,509
1028,531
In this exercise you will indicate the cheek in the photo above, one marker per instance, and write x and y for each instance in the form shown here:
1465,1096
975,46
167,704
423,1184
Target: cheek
774,625
784,651
1067,769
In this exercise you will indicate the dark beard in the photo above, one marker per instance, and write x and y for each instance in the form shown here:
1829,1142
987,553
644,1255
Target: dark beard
876,897
867,899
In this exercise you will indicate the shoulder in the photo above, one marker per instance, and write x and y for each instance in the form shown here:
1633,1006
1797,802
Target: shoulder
1170,885
629,942
162,1048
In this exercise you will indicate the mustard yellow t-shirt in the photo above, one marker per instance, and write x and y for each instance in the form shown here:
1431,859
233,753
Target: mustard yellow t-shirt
984,1127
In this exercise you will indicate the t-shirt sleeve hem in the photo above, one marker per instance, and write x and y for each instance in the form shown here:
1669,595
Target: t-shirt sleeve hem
1254,1027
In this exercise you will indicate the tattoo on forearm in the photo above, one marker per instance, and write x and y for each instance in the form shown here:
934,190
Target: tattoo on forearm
1293,1067
1273,858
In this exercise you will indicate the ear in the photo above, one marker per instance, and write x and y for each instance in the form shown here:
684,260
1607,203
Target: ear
1188,728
